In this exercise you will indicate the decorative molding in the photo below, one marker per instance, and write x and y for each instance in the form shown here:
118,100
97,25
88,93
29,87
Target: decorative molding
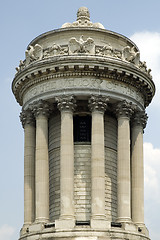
66,103
124,109
140,118
98,103
27,117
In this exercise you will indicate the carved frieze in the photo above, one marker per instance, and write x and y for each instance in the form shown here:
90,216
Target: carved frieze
108,51
55,50
83,46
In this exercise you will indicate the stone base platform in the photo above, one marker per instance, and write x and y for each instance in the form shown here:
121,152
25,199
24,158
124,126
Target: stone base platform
48,232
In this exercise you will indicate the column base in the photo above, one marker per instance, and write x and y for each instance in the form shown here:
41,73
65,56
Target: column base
64,224
36,227
100,224
129,226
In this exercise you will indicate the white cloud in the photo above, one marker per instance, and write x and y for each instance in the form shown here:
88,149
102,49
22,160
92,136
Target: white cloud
149,46
152,169
6,232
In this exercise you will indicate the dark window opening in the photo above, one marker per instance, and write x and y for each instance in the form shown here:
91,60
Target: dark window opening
82,128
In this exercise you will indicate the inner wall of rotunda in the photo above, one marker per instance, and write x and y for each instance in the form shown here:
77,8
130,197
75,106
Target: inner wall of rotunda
82,170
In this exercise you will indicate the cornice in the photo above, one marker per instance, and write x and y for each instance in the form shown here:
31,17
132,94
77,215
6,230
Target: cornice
71,66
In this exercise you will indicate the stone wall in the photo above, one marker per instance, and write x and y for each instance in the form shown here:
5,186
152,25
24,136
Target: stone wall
110,167
82,181
54,165
82,171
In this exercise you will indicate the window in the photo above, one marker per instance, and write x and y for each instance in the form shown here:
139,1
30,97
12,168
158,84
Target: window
82,128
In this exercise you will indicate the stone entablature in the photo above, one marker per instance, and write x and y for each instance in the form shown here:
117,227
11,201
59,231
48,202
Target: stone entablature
48,71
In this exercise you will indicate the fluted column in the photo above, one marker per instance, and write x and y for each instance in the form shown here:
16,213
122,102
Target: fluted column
41,110
98,105
124,111
66,105
28,123
138,123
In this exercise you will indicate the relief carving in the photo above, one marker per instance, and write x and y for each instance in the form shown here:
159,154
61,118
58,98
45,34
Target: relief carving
33,53
108,51
131,55
81,45
55,50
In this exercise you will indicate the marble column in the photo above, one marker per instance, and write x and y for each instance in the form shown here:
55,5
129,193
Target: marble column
138,124
28,123
66,105
41,111
123,111
98,105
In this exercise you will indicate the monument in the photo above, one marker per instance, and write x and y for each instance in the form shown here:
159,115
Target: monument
83,92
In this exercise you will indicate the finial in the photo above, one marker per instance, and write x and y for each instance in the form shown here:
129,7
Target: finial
83,20
83,14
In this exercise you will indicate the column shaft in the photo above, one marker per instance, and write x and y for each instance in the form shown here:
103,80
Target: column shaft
67,165
98,166
42,169
29,174
124,111
139,122
123,170
137,175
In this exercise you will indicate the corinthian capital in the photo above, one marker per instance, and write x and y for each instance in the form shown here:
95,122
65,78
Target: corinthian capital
27,117
66,103
41,107
139,119
98,103
124,109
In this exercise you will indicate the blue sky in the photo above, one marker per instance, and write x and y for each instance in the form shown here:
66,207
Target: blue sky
20,22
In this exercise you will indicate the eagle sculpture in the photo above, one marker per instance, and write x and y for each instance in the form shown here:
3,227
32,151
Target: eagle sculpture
81,45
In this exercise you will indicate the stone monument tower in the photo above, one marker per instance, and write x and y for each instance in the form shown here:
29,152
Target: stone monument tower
83,92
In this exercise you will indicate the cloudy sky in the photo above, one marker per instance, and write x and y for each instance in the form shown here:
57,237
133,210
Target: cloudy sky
20,22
